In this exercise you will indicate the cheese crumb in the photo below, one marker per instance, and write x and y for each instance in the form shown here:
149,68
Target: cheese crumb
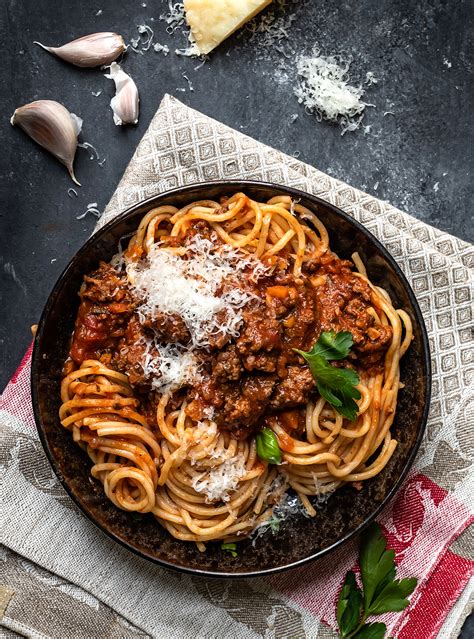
161,48
270,29
175,16
189,52
169,366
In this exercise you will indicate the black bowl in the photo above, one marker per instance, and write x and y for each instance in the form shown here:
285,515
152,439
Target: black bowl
300,539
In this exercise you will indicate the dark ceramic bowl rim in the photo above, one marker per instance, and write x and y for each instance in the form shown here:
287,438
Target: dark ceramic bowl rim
241,185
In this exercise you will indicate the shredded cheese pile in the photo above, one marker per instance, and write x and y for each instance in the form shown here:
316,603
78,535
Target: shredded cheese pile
217,483
189,286
324,88
200,285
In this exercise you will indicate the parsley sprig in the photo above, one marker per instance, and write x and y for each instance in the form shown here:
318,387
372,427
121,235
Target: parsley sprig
381,591
336,385
230,548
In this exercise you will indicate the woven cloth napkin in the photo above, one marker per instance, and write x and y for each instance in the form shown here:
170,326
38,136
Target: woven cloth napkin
64,578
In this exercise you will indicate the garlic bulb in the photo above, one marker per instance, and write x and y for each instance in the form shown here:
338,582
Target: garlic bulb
125,102
91,50
52,126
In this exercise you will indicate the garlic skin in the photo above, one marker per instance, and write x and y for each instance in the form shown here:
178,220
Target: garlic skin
52,126
91,50
125,102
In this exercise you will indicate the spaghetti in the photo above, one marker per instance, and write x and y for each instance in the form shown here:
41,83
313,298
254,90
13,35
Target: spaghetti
184,348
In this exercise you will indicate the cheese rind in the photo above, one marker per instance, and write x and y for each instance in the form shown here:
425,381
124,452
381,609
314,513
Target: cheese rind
212,21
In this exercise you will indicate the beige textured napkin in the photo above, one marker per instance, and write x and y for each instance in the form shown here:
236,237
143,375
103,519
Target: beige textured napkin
63,578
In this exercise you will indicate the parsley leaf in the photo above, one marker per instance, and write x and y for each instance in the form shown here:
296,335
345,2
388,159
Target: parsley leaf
231,548
377,566
333,345
349,605
393,597
382,592
336,385
268,449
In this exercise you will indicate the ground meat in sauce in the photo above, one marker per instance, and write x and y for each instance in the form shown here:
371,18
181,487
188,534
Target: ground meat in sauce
130,353
245,404
293,420
105,308
261,331
251,379
294,390
106,285
264,362
168,328
343,301
227,365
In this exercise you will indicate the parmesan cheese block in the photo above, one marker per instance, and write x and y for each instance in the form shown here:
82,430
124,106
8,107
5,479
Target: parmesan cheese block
212,21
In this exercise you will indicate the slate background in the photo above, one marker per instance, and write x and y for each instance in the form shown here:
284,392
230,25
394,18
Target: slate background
419,158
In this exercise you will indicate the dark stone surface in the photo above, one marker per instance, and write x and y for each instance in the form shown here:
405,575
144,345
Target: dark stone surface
407,45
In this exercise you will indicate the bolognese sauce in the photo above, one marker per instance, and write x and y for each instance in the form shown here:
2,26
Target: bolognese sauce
258,373
227,356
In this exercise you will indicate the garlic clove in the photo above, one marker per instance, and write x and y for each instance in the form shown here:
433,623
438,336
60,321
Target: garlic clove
52,126
91,50
125,102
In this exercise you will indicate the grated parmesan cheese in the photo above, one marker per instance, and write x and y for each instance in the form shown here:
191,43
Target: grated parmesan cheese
175,19
148,34
169,366
208,412
93,152
94,155
219,482
190,84
370,78
269,29
204,429
324,89
288,506
175,16
92,209
323,490
201,288
188,286
161,48
189,52
144,41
